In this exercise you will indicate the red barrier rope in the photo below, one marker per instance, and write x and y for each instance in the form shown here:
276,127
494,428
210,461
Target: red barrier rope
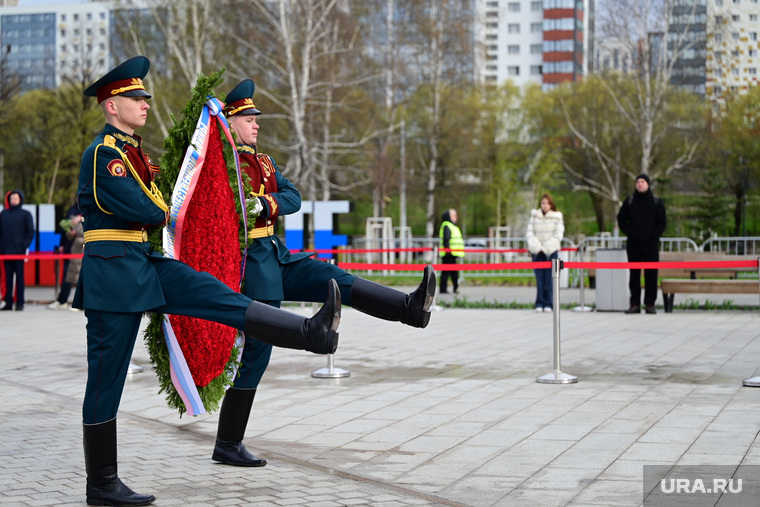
39,257
750,264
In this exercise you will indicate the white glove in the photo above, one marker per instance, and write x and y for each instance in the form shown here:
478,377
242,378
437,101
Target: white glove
254,206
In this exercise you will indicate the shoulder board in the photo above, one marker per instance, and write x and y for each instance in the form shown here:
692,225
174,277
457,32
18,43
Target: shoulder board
109,141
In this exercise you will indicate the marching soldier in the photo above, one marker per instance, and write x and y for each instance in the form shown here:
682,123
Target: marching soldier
274,275
122,277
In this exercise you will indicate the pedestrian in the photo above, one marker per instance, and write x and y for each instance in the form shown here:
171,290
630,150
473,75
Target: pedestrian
72,231
122,277
451,248
273,275
544,236
16,234
642,219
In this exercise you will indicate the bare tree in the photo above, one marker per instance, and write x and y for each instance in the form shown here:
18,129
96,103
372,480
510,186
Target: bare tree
308,63
658,33
438,37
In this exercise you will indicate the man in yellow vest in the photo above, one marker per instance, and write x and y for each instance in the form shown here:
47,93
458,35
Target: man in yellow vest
451,248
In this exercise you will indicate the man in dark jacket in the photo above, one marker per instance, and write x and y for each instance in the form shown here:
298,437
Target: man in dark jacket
16,234
642,219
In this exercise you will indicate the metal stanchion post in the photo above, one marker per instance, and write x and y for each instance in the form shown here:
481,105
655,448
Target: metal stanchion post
582,307
556,377
754,381
330,371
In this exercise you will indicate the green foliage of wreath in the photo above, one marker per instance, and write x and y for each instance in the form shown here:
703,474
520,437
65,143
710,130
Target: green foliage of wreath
170,162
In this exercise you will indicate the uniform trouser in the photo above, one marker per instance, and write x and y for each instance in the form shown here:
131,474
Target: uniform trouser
544,285
111,335
11,268
445,275
304,280
645,253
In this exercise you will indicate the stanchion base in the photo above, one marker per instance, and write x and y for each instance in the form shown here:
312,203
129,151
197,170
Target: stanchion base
583,309
330,373
751,382
557,377
134,368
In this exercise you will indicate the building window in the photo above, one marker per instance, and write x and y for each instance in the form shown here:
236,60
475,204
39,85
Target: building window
735,72
737,1
513,49
490,78
536,49
735,35
76,17
719,3
63,17
752,53
536,27
535,70
513,70
735,18
492,4
513,28
492,14
492,57
753,17
735,53
536,6
493,47
493,68
513,6
491,24
752,71
752,35
492,36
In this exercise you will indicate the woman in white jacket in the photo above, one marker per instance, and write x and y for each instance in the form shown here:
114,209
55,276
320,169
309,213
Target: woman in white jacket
544,235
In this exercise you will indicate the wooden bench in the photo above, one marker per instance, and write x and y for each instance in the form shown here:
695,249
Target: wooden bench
704,280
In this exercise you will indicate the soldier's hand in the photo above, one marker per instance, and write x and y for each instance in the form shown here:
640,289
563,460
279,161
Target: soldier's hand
254,206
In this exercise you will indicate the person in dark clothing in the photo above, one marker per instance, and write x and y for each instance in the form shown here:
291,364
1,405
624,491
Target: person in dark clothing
451,248
16,234
642,219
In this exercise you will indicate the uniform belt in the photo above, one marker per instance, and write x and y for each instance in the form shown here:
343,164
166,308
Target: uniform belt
115,235
261,232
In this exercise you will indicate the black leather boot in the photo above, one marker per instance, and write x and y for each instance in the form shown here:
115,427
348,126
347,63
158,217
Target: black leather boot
103,484
233,418
390,304
281,328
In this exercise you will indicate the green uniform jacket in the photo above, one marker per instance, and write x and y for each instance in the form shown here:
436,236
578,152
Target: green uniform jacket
117,276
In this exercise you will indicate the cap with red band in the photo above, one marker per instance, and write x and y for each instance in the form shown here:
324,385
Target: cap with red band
124,79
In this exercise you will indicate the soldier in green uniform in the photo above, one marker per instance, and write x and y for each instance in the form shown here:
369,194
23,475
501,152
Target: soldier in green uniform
122,277
273,275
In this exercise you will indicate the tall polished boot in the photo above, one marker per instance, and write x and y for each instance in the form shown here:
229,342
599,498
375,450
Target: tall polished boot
103,484
280,328
233,418
390,304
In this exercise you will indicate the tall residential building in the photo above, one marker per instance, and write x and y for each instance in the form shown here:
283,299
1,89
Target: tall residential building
731,62
540,41
42,45
723,46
